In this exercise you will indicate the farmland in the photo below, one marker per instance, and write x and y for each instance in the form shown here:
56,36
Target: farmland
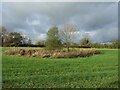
98,71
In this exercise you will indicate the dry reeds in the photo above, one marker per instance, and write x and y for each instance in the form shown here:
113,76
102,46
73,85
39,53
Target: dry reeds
52,53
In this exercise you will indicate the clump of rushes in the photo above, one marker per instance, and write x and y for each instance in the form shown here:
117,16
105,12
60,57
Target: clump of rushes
52,53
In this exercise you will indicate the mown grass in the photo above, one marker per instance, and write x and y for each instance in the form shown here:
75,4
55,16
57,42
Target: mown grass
98,71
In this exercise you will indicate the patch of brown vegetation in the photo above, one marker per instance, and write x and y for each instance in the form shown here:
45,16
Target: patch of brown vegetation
52,53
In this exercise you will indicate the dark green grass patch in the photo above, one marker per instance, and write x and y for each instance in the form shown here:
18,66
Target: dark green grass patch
99,71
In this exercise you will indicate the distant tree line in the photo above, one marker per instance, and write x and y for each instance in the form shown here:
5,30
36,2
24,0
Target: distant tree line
56,39
96,45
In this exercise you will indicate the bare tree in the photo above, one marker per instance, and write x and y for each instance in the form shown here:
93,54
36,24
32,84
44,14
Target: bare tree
68,34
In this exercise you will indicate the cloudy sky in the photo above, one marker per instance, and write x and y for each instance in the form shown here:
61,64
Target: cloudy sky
33,19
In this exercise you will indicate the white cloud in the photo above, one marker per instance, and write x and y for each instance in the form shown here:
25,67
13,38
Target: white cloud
41,36
34,22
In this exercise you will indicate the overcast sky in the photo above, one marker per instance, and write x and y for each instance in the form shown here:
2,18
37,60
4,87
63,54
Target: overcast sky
99,19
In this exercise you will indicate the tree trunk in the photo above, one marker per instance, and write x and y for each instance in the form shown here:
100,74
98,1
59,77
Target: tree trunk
68,49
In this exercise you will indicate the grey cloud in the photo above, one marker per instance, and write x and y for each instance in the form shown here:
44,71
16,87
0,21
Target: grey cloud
36,18
104,35
99,17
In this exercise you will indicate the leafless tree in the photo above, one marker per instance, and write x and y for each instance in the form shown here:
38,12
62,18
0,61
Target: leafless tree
68,33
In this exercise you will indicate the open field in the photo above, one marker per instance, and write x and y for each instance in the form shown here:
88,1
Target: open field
98,71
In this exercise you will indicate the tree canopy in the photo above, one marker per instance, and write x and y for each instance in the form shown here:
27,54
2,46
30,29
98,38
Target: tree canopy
53,41
85,39
12,39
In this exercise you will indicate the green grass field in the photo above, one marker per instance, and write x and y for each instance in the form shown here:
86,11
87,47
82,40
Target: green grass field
98,71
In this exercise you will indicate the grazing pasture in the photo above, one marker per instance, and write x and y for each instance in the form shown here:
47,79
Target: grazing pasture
97,71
